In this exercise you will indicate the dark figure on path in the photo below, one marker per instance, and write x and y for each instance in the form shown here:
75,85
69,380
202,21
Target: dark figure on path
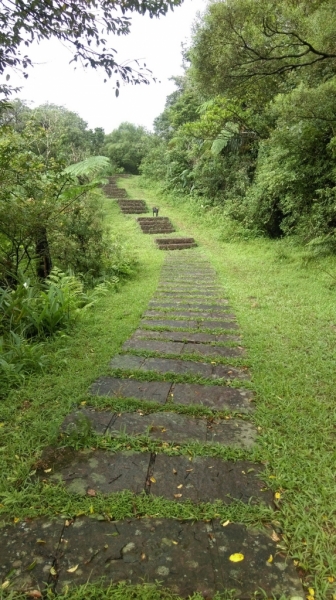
155,211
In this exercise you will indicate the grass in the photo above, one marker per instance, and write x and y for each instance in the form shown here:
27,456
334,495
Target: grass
287,316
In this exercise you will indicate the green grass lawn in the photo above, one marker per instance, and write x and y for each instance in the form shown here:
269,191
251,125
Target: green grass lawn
288,320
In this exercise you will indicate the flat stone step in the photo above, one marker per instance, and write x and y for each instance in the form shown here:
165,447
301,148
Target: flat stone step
215,397
165,427
187,304
183,246
175,478
180,348
155,230
128,362
189,324
190,314
185,336
187,557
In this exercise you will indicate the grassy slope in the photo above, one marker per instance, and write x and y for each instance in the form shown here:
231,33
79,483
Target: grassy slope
287,316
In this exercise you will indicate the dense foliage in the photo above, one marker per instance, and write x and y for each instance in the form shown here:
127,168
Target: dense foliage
251,127
126,146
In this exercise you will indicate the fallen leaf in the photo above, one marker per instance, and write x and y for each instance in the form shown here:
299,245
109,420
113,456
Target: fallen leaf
174,471
180,486
67,523
47,470
309,597
311,591
53,571
226,523
270,559
83,403
34,594
152,479
91,509
175,543
5,584
143,556
277,495
73,569
237,557
331,579
39,541
105,546
16,519
189,470
91,492
275,537
31,566
177,495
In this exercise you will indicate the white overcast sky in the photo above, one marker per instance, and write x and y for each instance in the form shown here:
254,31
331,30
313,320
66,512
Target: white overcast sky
156,41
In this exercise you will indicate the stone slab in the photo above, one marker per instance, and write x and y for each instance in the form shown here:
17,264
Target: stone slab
218,325
169,323
215,397
99,420
185,336
205,479
101,471
179,367
137,550
185,304
231,432
207,350
127,361
151,391
190,314
277,579
163,426
187,292
28,551
154,346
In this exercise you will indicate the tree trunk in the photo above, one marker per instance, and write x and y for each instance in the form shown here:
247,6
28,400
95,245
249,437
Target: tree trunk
44,264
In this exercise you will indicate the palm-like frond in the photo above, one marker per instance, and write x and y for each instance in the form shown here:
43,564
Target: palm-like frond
90,166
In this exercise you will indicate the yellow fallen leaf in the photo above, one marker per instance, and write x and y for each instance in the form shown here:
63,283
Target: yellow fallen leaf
275,537
143,556
180,486
91,510
152,479
83,403
47,470
277,495
175,543
331,579
73,569
237,557
177,495
311,591
226,523
5,584
53,571
39,541
16,519
270,559
174,471
309,597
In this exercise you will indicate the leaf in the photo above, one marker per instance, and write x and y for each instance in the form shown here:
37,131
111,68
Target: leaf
152,479
177,495
331,579
270,559
5,584
226,523
174,471
73,569
16,519
275,537
91,492
31,566
34,594
237,557
218,145
53,571
277,495
89,166
311,591
39,541
47,470
180,486
175,543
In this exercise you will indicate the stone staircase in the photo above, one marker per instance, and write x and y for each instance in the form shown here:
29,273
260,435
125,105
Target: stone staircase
178,243
155,225
189,409
133,207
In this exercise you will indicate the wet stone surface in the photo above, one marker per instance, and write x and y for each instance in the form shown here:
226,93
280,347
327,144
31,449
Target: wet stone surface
28,551
184,336
213,396
152,391
207,350
90,471
167,427
154,346
231,432
181,367
206,479
99,420
169,323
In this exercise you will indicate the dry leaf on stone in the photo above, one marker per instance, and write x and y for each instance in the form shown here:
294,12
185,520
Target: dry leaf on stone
237,557
41,541
53,571
275,537
91,492
73,569
152,479
47,470
226,523
270,559
174,471
180,486
34,594
177,495
5,584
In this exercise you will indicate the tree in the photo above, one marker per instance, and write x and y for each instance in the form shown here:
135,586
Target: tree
82,24
126,146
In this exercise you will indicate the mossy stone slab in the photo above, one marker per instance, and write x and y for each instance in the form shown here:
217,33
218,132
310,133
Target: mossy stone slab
214,397
152,391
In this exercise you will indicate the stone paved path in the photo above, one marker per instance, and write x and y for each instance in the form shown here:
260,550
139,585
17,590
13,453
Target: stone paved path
188,331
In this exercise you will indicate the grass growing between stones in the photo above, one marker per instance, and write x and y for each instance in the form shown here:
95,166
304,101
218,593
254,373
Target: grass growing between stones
286,312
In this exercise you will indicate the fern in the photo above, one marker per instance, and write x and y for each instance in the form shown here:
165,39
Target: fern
88,167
